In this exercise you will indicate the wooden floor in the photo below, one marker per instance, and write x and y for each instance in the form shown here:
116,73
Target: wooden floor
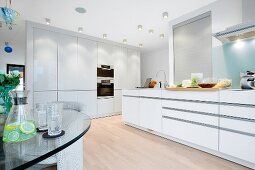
111,145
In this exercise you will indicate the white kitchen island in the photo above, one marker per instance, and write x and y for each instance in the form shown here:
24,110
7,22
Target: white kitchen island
218,122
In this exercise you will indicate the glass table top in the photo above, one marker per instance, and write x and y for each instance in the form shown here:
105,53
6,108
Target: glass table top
28,153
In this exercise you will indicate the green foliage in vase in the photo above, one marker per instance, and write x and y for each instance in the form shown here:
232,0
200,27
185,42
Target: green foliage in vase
8,82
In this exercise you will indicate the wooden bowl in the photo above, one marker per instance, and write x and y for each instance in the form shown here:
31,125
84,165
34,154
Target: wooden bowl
207,85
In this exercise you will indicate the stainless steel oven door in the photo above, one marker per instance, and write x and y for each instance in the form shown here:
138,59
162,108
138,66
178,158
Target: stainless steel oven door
105,89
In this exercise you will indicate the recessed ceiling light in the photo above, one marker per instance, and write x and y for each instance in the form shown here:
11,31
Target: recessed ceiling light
140,27
165,15
80,29
151,31
162,36
104,36
80,10
47,20
140,45
125,41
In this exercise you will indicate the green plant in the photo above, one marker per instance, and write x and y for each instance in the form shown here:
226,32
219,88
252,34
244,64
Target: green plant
8,82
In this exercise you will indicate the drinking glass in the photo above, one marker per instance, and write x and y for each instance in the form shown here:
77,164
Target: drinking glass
54,112
41,115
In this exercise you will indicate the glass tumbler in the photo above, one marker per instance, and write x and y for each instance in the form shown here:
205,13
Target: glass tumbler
41,115
54,113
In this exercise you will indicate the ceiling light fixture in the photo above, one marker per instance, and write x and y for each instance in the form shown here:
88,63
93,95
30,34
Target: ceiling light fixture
125,41
140,27
162,36
80,10
47,20
140,45
104,36
165,15
151,31
80,29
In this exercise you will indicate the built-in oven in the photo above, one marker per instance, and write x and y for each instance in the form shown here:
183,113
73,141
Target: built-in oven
105,71
105,88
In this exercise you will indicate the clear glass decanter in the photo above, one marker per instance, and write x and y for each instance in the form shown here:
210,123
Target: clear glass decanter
18,126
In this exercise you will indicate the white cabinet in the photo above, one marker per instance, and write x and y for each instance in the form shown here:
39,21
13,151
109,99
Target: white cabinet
120,67
67,96
117,101
150,114
105,106
133,68
131,110
89,100
237,145
105,54
45,60
67,62
44,97
87,65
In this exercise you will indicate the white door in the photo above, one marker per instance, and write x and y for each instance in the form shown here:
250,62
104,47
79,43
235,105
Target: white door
89,101
131,110
133,69
120,67
67,96
150,114
117,101
45,97
67,63
87,65
45,60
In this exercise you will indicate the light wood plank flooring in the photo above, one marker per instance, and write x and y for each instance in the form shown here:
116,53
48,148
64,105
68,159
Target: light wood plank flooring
111,145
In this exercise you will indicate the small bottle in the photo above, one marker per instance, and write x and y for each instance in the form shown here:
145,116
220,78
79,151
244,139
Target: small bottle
18,127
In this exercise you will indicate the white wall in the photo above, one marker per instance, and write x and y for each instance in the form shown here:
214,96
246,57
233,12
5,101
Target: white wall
16,38
225,13
152,62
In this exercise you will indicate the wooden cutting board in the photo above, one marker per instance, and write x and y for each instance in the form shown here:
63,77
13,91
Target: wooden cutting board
192,89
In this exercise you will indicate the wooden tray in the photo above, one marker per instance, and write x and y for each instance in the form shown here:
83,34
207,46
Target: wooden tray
192,89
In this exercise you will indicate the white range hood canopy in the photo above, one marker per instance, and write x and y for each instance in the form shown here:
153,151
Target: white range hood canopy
237,32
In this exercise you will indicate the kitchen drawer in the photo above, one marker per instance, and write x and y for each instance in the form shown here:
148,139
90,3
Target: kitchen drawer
131,92
239,97
236,111
237,145
191,95
105,106
196,134
200,107
210,120
150,93
238,125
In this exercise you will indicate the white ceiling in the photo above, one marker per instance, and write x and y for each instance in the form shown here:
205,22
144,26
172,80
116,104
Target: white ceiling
117,18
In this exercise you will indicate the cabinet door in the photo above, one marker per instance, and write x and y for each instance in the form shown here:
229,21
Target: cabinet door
131,110
117,101
89,100
105,54
87,65
67,63
105,106
150,114
133,69
120,67
45,60
237,145
44,97
67,96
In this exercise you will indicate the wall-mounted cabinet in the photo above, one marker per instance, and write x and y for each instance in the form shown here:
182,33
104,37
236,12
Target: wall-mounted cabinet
133,69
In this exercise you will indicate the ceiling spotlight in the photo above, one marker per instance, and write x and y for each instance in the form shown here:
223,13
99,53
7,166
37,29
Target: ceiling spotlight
104,36
162,36
140,27
125,41
80,10
140,45
80,29
47,20
165,15
151,31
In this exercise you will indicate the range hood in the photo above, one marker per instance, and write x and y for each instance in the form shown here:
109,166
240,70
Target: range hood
237,32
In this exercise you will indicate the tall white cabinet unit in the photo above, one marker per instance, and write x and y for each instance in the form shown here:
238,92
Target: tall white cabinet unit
63,67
